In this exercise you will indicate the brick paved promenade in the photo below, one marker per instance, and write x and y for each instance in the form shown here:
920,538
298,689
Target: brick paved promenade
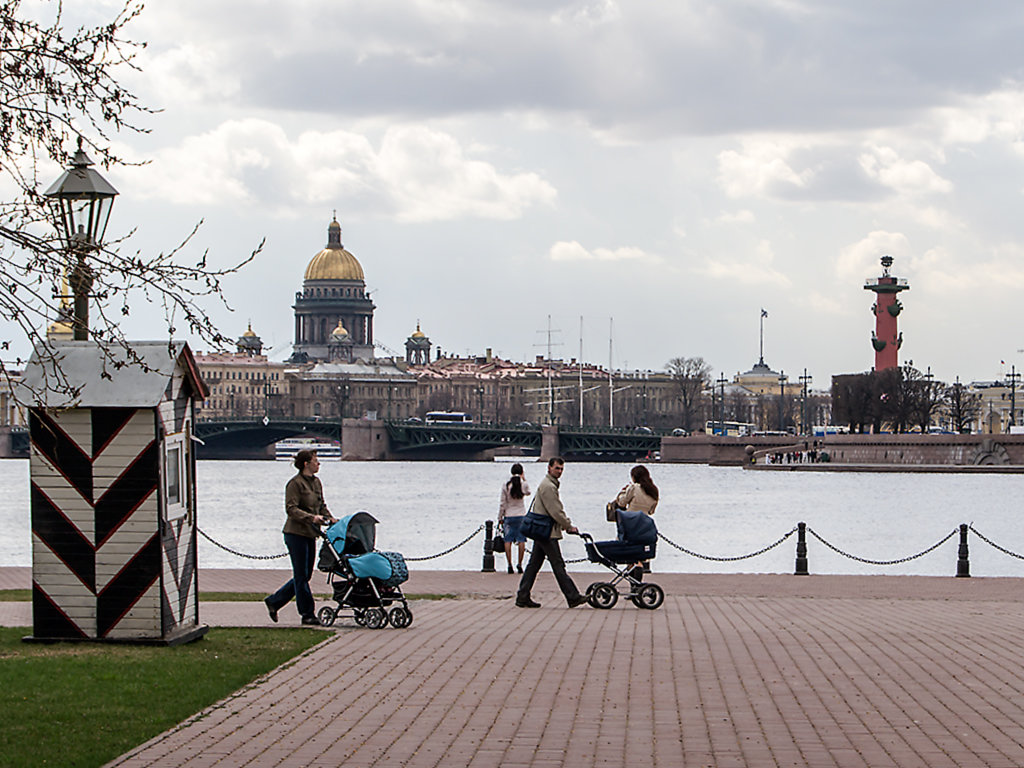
741,670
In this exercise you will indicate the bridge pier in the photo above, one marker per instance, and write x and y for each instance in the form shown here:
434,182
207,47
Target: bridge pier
363,440
549,443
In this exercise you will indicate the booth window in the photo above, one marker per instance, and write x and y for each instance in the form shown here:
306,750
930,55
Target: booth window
174,475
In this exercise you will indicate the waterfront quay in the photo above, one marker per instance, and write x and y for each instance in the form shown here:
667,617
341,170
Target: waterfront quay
733,670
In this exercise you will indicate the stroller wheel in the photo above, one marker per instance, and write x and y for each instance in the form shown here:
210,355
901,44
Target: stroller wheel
591,587
400,617
359,615
375,618
604,596
326,615
649,596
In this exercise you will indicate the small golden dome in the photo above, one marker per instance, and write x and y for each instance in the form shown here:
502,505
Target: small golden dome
418,334
249,333
339,333
334,262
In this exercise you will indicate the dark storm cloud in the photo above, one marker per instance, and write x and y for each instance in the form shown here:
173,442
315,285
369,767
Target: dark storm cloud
669,67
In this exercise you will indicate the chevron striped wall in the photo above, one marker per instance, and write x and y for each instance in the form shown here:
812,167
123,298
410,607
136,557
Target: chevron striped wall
105,564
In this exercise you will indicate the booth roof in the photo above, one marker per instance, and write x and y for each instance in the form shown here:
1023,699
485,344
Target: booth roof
132,384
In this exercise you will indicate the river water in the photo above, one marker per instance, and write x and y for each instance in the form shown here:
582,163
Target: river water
427,507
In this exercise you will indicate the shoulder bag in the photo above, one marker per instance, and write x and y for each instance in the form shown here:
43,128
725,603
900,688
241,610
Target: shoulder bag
536,526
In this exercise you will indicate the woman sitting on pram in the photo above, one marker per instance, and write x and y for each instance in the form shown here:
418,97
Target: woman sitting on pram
641,495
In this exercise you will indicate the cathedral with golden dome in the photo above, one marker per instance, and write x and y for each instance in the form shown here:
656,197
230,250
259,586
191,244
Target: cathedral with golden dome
333,311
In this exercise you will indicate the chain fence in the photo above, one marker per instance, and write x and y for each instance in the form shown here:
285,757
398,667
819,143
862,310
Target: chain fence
449,550
691,553
235,552
992,544
681,548
897,561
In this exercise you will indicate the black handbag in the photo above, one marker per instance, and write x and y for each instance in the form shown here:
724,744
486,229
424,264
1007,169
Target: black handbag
536,526
498,543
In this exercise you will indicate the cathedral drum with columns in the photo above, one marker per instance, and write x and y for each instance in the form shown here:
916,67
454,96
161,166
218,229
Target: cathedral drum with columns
333,311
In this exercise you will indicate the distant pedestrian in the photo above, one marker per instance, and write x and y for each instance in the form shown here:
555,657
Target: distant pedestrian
547,502
511,510
306,512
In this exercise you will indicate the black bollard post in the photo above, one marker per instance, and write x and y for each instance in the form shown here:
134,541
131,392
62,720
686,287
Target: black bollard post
801,550
488,566
963,560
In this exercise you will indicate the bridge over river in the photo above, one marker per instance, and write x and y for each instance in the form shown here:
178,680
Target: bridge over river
410,440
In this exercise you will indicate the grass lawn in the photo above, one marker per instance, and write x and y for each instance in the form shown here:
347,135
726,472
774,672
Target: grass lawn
80,705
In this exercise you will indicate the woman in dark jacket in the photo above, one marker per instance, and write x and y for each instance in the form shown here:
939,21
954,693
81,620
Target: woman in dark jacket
306,510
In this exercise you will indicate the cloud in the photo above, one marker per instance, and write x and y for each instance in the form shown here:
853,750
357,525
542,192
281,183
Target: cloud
760,168
416,173
742,216
573,251
690,68
757,269
905,177
860,260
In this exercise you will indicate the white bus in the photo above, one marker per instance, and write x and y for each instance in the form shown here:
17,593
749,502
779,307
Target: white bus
729,428
448,417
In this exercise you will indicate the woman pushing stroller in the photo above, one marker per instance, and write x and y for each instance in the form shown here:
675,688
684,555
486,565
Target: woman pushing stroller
306,511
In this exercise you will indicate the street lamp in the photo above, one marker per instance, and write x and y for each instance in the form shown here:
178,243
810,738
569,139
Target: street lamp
782,400
722,381
804,410
80,202
1014,378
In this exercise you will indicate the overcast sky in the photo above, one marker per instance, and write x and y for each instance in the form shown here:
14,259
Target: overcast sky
663,167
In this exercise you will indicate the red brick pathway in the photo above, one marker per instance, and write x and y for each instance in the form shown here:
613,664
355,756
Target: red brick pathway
732,671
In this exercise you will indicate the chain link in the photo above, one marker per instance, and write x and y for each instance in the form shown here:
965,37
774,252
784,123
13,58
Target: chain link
834,548
991,543
725,559
447,551
206,536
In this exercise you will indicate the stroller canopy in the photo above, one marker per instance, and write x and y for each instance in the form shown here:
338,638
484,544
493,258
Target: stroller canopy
360,527
637,528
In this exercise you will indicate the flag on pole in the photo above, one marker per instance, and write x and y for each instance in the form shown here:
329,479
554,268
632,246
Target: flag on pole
764,312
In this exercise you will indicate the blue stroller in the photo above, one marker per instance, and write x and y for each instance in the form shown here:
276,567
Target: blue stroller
638,538
363,580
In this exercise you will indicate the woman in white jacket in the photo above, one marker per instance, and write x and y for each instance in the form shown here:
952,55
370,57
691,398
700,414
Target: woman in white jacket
511,511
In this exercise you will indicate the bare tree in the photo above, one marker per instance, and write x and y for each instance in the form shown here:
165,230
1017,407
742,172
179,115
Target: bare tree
962,406
692,376
55,85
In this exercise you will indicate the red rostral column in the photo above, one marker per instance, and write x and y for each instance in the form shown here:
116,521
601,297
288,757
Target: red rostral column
886,339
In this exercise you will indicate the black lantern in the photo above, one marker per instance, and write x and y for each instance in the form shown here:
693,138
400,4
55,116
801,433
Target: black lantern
80,201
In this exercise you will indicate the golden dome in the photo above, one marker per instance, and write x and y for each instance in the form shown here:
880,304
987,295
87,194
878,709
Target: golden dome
249,332
334,262
418,334
339,333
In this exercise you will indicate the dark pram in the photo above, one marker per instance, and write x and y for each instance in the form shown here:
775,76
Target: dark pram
364,581
638,538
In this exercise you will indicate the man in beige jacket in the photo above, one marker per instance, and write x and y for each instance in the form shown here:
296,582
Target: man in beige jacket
547,502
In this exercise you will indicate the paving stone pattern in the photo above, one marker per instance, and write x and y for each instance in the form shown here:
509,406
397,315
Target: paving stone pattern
717,680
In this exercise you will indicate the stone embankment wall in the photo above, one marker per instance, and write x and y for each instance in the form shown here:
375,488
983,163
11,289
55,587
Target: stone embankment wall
956,450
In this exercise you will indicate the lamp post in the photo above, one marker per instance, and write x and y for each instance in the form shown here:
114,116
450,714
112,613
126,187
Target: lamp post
805,380
721,403
1014,376
782,400
80,201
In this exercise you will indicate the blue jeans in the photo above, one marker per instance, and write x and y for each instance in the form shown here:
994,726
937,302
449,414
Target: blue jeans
302,552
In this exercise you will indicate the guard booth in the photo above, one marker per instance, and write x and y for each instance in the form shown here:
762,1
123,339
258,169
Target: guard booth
113,497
